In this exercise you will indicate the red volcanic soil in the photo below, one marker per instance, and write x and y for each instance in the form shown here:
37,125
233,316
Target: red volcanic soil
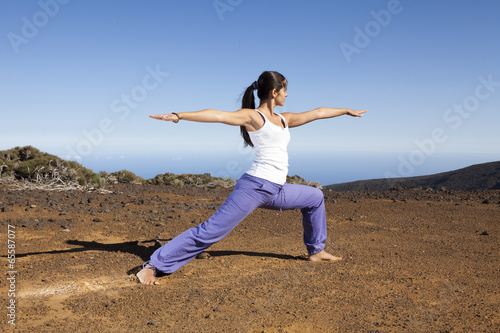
414,260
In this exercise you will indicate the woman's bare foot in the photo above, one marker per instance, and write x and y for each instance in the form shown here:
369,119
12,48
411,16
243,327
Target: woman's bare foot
323,256
147,276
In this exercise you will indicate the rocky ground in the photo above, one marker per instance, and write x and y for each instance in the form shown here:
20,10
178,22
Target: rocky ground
414,260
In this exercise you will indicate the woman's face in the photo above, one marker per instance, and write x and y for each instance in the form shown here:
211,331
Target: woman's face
281,96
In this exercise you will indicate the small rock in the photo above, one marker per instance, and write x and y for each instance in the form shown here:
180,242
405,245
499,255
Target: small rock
159,243
485,233
96,219
152,323
203,255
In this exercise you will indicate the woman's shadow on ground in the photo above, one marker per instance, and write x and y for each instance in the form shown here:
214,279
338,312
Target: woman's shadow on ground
144,249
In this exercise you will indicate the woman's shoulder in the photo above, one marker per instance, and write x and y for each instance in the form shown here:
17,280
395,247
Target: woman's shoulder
257,120
287,116
249,112
252,113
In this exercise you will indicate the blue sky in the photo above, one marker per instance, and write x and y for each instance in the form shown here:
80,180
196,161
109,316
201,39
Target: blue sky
79,79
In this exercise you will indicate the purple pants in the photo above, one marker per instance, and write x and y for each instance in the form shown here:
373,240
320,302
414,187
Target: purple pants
249,193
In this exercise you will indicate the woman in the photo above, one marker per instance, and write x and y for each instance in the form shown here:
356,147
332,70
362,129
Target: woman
262,186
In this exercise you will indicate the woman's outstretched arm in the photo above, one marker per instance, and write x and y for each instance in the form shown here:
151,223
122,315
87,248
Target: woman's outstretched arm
243,117
298,119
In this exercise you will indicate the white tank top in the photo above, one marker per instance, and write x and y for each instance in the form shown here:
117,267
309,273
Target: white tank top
271,157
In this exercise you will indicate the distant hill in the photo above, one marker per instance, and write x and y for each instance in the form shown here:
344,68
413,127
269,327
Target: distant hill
484,176
29,163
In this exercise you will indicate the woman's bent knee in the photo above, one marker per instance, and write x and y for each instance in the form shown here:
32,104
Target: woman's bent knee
317,195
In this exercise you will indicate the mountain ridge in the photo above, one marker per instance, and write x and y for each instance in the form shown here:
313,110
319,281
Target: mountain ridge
484,176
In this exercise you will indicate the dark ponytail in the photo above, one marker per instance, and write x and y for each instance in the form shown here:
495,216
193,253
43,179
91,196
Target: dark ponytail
267,81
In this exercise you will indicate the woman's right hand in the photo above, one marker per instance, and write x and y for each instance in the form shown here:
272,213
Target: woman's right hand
165,117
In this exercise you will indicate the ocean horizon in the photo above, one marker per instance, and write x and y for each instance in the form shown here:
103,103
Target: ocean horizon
325,168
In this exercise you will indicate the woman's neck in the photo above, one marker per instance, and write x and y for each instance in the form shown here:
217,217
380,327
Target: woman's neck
267,106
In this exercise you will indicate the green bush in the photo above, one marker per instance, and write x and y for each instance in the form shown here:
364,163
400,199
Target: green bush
299,180
96,178
181,180
29,163
127,177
